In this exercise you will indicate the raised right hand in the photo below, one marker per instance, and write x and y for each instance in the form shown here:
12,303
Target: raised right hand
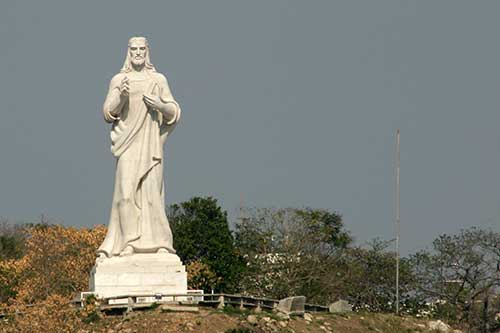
124,88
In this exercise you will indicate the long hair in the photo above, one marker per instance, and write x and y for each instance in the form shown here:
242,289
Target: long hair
127,65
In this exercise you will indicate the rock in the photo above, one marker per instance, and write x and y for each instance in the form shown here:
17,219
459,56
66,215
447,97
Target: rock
282,316
340,306
266,319
439,326
292,305
283,324
308,317
251,319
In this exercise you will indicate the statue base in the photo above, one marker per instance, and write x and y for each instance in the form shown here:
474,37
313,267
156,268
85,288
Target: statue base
138,274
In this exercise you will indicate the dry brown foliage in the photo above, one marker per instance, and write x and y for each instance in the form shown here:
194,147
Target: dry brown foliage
55,267
200,276
51,315
57,261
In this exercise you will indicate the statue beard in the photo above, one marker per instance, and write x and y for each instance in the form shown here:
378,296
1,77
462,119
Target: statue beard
131,61
138,62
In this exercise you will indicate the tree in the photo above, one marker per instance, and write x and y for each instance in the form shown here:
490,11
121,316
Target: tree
57,261
369,279
201,233
461,271
12,240
292,252
200,276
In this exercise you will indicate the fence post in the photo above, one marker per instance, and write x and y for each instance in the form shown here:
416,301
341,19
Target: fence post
221,302
258,308
130,303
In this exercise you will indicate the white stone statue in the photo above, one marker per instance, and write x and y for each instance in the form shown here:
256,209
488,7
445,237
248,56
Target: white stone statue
143,112
137,256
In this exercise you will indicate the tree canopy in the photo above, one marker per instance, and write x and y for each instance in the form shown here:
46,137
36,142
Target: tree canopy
291,252
201,234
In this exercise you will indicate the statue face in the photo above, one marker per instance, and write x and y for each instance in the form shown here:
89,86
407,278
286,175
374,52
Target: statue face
137,51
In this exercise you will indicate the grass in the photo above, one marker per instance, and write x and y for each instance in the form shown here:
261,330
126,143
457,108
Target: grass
233,310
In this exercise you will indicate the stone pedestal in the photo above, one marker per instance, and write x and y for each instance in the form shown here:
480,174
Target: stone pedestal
139,274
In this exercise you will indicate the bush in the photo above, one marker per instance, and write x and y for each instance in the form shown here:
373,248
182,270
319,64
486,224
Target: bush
201,277
57,261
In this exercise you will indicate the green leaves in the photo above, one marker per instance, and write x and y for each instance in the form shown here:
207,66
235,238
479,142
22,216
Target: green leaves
201,233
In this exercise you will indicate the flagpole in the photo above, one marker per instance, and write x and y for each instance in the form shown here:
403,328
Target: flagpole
397,217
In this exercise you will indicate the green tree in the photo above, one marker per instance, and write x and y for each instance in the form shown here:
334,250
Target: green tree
12,247
12,238
201,233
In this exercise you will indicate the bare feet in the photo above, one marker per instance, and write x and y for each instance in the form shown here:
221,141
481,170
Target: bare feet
128,251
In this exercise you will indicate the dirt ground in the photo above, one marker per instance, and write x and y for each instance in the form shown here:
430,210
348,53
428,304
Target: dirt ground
216,321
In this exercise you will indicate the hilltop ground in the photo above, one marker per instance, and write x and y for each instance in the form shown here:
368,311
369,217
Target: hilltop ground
235,321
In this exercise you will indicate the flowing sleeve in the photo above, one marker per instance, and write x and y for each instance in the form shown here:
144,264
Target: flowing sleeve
112,105
167,98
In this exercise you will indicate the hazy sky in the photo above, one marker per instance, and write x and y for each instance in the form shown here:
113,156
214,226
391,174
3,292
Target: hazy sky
285,103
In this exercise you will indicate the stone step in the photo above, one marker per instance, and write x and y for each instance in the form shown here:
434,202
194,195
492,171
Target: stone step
179,308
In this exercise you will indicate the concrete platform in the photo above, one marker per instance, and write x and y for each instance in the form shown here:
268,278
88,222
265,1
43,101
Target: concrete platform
139,274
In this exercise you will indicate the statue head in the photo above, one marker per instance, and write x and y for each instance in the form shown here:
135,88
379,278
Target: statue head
137,55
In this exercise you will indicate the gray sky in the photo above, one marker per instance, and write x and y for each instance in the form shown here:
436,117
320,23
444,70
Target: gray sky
285,103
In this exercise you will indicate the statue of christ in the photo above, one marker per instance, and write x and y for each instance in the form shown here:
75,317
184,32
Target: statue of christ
142,111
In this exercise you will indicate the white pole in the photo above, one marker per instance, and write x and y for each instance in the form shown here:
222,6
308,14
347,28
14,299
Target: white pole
397,220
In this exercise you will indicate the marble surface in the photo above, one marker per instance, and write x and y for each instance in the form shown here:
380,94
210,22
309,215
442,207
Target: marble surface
137,255
143,113
139,274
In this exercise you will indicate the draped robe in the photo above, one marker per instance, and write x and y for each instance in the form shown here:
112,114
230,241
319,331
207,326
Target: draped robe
138,134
